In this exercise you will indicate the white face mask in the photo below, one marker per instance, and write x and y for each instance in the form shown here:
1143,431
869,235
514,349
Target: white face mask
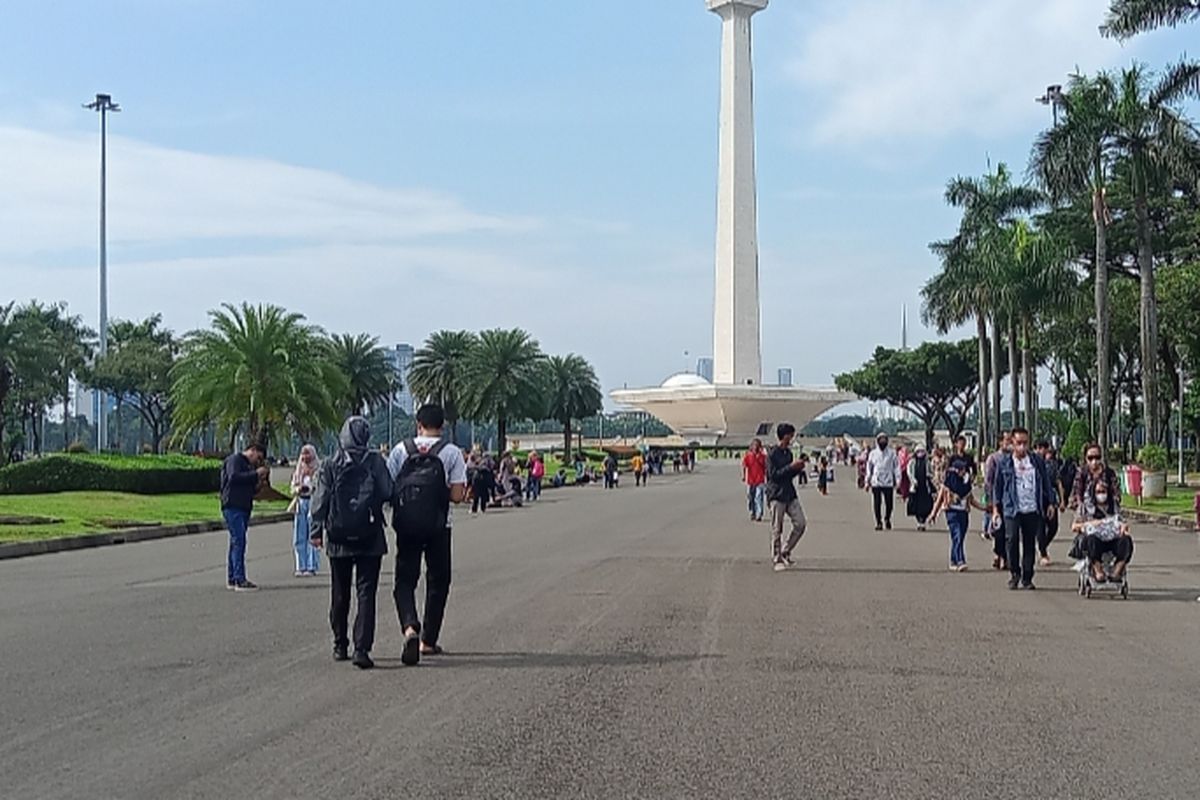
1101,499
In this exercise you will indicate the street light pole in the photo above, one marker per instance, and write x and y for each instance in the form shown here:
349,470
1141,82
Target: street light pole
1182,351
103,104
1054,98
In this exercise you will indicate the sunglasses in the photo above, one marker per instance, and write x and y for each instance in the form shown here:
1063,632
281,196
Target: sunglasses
1093,458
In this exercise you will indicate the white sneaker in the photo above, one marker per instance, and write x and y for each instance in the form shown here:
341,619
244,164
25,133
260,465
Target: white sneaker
782,567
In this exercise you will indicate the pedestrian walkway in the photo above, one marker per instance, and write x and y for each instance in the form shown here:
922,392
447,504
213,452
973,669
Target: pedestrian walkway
610,644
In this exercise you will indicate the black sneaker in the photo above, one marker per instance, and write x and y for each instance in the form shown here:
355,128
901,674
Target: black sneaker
341,653
410,656
245,586
363,660
1029,586
888,524
1013,583
878,526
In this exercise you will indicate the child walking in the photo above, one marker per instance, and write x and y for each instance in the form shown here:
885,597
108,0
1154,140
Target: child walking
823,475
955,498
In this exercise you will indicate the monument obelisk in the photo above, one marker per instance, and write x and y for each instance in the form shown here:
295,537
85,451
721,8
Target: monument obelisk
737,355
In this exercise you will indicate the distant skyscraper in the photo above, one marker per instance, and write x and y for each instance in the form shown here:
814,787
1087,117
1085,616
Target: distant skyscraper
785,376
704,368
401,358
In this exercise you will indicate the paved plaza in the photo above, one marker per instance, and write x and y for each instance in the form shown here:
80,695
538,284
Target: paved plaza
628,644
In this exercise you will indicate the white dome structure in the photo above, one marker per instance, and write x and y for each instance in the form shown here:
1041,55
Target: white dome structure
682,379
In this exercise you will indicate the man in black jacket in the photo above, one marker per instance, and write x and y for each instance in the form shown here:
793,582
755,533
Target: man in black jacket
240,476
355,474
782,469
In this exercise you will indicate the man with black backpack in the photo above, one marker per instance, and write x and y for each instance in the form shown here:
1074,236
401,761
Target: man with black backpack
430,474
347,517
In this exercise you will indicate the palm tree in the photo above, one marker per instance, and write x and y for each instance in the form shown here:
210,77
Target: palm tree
1129,17
503,379
7,341
260,367
988,204
1073,159
364,364
73,345
574,393
437,371
1161,146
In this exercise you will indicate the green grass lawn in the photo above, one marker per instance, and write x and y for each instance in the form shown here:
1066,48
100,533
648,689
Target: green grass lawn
1178,502
92,512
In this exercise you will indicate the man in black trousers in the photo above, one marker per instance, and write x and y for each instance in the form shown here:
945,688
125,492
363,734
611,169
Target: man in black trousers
1023,501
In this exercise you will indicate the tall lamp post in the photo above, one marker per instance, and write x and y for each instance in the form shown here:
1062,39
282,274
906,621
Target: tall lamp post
1182,351
103,104
1054,98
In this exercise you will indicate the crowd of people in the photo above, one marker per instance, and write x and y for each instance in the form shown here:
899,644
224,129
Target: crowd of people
1025,488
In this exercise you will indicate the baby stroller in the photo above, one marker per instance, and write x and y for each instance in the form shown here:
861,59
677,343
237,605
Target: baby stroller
1105,529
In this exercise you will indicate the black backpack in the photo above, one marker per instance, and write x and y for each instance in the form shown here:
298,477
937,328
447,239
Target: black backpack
422,503
351,515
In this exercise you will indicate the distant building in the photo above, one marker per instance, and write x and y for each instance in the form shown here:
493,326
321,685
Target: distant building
704,368
785,376
401,359
83,403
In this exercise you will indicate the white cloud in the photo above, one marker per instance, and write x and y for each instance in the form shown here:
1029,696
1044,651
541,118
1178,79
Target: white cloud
934,69
164,196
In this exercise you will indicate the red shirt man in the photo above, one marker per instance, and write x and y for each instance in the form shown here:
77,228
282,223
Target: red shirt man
754,465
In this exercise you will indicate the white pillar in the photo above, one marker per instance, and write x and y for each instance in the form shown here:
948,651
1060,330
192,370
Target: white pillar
737,358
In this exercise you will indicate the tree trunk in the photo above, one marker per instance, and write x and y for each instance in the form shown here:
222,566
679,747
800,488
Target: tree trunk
996,379
501,435
1027,376
1103,370
566,441
1149,327
981,333
1014,376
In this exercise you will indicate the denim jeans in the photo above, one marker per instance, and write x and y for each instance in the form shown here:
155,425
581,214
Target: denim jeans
237,521
533,488
958,522
308,558
755,498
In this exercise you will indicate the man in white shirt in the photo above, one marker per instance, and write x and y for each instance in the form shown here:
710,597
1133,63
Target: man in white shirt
421,518
883,476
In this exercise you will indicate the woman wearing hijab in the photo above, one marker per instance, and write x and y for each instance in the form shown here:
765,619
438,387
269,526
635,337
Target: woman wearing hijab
920,487
304,483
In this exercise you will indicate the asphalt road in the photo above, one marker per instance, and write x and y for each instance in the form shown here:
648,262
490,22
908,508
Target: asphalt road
628,644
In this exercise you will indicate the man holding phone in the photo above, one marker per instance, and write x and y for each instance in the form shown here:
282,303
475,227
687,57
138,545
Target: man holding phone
782,469
241,475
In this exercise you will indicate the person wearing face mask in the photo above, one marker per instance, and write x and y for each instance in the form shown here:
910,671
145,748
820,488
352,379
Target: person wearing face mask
920,487
883,476
1022,501
1094,469
1103,530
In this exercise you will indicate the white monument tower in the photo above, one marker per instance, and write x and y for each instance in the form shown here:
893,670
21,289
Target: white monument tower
734,406
737,356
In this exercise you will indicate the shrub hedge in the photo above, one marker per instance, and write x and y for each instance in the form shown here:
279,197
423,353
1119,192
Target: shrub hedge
104,473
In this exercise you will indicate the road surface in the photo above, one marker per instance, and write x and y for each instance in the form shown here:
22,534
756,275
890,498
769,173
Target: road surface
627,644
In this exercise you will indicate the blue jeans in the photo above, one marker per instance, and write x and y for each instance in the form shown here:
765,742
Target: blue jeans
958,522
755,499
237,521
533,488
307,556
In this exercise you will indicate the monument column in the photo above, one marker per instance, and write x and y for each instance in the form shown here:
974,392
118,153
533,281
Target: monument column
737,358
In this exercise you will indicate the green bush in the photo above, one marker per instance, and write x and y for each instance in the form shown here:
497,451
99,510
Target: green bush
1077,439
105,473
1153,458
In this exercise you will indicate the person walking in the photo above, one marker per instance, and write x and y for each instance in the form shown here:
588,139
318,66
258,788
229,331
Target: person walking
241,475
430,474
537,471
1054,476
610,471
1022,501
781,495
637,465
304,483
883,476
956,499
823,471
920,487
1094,469
991,531
483,485
347,516
754,475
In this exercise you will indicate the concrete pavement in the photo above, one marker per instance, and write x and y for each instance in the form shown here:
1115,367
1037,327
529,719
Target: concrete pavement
609,645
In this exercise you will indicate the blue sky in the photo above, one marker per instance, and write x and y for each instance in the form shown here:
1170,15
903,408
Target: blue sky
401,167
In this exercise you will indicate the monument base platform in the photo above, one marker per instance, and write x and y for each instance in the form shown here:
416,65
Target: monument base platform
727,415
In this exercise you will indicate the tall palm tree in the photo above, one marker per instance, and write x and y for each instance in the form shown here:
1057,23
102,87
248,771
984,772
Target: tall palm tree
1073,159
364,365
260,367
1128,17
7,341
437,371
73,344
503,379
1161,146
574,393
988,204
